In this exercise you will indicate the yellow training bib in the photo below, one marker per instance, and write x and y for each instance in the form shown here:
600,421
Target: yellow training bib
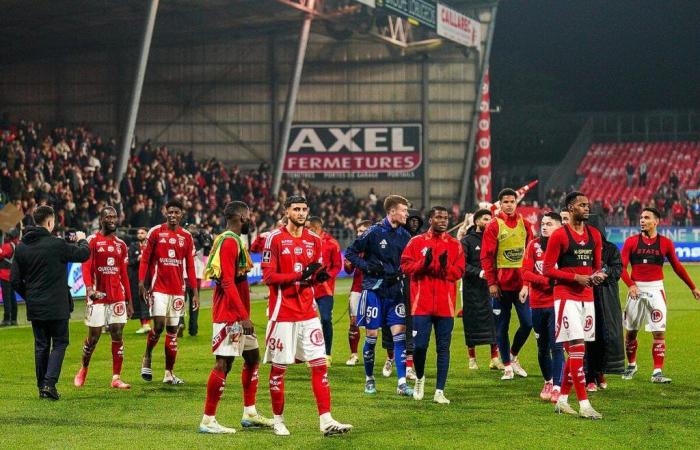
511,245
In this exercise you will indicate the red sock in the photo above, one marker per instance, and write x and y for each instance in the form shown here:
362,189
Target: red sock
390,354
144,322
354,338
170,350
472,352
494,351
117,357
249,379
152,340
566,382
277,388
319,382
631,351
576,369
658,351
215,389
409,360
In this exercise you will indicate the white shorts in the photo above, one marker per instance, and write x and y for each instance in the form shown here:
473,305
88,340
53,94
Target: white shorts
649,308
576,321
290,342
353,303
223,344
170,306
98,315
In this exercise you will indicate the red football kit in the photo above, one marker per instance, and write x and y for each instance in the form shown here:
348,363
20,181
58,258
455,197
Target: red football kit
507,279
647,258
332,262
541,292
568,254
163,257
284,258
227,305
106,269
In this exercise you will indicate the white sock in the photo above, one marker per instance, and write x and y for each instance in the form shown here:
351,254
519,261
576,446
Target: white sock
548,381
656,371
564,398
402,380
279,419
250,410
556,388
439,391
115,377
168,374
207,419
325,418
368,378
584,404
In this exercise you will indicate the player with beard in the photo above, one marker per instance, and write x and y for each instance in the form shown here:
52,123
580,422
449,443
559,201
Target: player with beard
574,259
168,248
108,296
291,265
354,300
646,298
539,288
234,334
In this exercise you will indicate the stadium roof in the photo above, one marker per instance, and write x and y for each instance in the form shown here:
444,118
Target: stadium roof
54,28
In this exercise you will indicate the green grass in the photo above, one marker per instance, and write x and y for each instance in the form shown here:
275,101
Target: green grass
485,412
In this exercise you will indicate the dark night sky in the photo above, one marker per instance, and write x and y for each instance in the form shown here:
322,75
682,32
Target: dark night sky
599,55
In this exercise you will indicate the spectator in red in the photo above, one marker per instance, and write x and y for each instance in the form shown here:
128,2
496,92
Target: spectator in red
9,301
679,213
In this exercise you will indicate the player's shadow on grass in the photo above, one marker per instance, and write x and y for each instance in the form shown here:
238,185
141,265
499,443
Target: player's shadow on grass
71,421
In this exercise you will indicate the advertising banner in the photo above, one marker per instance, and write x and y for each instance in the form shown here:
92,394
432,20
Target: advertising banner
685,239
355,151
457,27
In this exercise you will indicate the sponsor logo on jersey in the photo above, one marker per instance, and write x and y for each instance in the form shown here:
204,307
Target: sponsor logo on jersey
298,250
588,324
298,267
110,261
477,248
119,309
286,251
171,241
100,250
110,248
514,255
162,241
287,242
171,253
266,256
383,243
316,337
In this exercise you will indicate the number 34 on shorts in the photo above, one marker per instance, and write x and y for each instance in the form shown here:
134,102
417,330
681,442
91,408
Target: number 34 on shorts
289,342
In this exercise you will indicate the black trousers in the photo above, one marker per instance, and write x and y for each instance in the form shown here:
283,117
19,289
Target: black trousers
141,311
9,301
50,342
193,323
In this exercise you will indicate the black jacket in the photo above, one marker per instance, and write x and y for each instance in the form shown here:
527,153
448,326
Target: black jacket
607,297
39,273
477,314
134,256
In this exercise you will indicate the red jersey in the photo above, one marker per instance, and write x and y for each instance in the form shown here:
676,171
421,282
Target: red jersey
541,293
332,262
568,254
227,305
647,258
284,258
106,269
356,276
163,257
433,289
506,279
259,243
7,251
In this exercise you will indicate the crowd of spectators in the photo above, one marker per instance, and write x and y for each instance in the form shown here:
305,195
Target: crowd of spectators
72,169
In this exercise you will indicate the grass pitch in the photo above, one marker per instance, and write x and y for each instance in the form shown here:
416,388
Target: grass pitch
485,412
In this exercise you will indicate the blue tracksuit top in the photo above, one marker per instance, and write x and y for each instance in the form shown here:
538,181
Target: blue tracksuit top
381,243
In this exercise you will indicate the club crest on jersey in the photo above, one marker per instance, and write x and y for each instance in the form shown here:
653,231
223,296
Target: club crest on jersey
400,310
266,256
181,241
316,337
298,251
588,324
309,253
119,309
286,251
171,253
383,243
110,261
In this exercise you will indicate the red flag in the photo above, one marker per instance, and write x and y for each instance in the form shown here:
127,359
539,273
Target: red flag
482,179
